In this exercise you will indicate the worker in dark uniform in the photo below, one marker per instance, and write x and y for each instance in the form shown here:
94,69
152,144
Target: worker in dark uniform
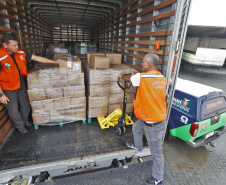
150,109
13,90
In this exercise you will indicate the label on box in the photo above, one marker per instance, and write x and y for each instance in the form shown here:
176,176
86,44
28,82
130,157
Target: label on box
76,66
69,64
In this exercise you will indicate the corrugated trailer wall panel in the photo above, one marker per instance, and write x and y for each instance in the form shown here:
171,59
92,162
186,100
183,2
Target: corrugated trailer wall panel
31,29
134,30
33,33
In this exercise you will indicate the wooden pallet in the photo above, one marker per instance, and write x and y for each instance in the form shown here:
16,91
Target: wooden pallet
60,123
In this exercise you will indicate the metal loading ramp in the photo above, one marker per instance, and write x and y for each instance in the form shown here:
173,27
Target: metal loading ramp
134,175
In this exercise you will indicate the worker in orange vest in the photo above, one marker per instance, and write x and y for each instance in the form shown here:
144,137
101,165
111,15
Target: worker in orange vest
13,90
150,109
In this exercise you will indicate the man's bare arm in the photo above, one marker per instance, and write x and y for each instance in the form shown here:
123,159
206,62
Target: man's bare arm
44,60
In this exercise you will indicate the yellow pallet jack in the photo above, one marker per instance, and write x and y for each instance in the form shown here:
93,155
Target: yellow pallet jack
118,119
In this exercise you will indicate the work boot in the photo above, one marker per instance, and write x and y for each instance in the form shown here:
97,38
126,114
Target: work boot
28,123
22,130
131,145
153,181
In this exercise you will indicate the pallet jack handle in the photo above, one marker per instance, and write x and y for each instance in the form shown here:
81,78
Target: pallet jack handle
125,82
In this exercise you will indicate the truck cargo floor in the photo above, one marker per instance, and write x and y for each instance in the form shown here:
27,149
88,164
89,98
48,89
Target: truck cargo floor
136,174
55,143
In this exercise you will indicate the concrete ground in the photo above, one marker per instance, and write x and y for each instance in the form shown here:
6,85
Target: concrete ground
204,165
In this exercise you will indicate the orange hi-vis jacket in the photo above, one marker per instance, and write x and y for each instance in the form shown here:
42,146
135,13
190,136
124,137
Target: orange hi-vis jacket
9,75
150,104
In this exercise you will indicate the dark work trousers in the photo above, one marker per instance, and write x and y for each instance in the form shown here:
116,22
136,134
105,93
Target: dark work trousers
18,107
154,135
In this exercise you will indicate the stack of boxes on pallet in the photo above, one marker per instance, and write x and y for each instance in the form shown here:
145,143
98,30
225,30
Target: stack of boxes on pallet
57,93
104,95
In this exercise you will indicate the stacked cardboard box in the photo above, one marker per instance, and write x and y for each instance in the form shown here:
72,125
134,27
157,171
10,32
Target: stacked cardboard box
57,94
104,94
89,55
102,60
117,94
98,91
115,58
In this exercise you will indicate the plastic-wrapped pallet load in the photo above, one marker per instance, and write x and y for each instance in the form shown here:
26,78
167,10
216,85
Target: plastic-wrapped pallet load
57,95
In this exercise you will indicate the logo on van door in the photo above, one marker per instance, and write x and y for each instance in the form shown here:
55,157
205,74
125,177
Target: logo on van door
182,104
185,102
184,119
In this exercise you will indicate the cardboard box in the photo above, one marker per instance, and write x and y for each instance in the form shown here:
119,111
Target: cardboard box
41,117
58,115
52,93
88,55
56,55
115,89
99,62
62,103
70,66
79,91
33,81
75,78
69,92
97,76
68,58
37,106
36,94
99,90
129,107
98,101
97,111
130,97
44,80
48,105
74,91
112,108
76,114
116,98
115,58
80,114
78,102
59,80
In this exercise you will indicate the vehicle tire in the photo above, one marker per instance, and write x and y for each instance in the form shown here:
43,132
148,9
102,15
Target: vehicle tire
118,131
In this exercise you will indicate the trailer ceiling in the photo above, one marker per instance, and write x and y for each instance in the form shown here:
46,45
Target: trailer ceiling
75,12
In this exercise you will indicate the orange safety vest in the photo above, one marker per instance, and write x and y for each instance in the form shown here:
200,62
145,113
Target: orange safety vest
150,104
9,75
